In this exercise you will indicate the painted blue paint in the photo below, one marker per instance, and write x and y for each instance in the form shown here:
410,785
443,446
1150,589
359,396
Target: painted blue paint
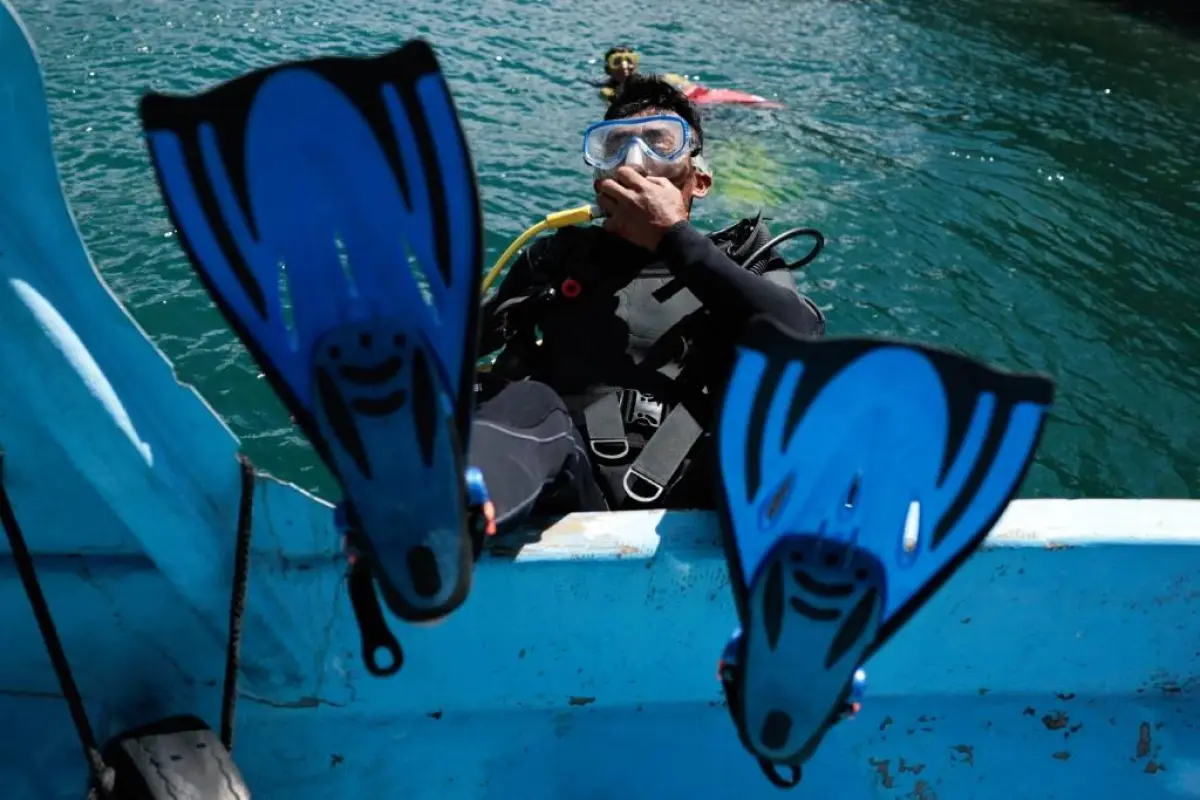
582,666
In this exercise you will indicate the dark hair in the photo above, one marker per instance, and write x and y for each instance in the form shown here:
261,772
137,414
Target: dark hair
649,92
612,51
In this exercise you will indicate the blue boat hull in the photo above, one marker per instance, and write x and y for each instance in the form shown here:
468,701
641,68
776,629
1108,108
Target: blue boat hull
1056,664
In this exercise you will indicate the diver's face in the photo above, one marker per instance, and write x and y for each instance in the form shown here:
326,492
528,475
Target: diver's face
621,66
691,181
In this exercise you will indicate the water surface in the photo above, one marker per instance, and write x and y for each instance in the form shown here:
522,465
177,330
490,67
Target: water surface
1017,179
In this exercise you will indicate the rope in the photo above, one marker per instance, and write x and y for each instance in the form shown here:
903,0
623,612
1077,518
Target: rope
237,604
102,776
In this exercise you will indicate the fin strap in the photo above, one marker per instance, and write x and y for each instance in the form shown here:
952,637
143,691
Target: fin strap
773,774
372,626
730,675
376,635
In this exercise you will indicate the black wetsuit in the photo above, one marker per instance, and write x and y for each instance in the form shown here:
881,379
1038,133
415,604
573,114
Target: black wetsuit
603,307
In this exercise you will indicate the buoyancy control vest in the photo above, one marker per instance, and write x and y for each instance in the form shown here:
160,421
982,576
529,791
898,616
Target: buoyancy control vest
634,353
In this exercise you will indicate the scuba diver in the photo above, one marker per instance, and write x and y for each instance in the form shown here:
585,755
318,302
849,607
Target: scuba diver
621,63
615,340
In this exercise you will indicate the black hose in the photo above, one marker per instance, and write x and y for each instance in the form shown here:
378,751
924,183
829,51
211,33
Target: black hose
818,245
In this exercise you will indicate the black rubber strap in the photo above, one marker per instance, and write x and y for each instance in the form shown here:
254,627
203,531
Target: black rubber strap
662,456
775,776
605,427
103,778
376,635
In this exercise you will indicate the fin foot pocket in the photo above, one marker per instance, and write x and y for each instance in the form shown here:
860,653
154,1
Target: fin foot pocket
803,642
388,420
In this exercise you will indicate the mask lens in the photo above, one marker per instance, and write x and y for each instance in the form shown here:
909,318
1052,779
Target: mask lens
622,60
615,144
660,138
664,139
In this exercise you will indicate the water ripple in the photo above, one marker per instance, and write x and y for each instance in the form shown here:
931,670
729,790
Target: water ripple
1016,182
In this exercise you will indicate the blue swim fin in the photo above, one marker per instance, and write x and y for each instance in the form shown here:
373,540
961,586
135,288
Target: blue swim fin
856,476
330,209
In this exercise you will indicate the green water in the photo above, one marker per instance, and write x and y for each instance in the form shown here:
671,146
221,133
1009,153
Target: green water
1019,179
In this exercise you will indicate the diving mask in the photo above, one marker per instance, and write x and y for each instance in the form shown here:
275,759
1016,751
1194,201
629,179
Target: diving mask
658,144
621,60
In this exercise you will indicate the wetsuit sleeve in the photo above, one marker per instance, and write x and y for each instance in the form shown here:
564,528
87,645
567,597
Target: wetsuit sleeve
517,281
729,292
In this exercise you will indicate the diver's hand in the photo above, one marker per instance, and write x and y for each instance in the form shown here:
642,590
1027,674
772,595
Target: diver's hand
640,209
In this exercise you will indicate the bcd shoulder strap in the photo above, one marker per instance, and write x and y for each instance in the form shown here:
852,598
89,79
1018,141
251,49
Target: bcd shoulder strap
571,254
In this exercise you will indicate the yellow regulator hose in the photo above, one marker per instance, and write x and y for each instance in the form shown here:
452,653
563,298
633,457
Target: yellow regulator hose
559,219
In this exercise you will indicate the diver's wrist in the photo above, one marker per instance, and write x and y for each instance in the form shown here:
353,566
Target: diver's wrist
673,237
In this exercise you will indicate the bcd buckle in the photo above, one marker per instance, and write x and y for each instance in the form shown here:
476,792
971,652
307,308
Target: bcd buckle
641,409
